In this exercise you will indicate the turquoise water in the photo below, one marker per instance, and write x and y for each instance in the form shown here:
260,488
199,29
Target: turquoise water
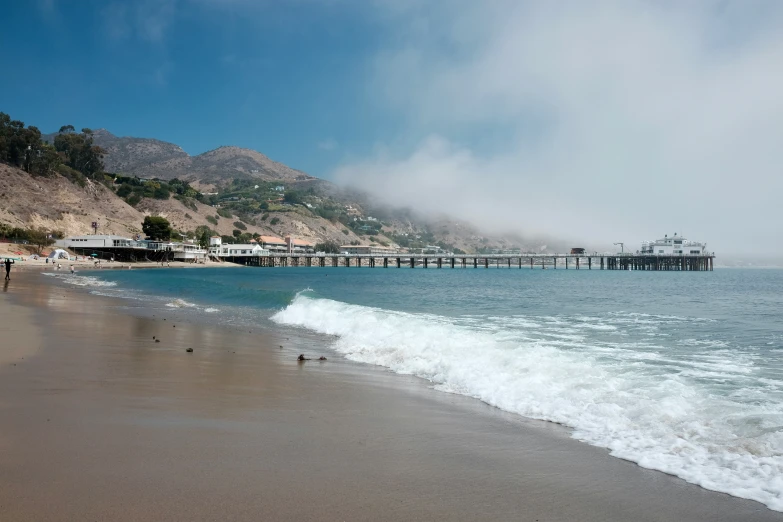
680,372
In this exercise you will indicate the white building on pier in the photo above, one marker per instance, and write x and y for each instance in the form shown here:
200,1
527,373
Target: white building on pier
674,245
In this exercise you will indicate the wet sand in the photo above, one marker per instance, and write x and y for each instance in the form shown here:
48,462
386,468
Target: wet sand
99,422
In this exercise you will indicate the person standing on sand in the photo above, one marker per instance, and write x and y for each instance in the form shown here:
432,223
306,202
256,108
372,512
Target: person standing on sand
8,263
71,269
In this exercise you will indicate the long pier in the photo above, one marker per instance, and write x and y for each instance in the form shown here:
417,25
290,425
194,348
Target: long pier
654,262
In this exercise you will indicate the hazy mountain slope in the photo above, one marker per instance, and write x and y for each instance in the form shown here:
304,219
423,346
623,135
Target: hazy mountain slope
136,155
151,158
229,162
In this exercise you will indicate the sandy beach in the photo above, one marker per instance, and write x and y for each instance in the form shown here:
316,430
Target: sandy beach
100,422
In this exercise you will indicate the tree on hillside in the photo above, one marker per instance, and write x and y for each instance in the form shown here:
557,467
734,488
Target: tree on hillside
203,233
79,151
330,247
40,238
293,197
156,227
22,147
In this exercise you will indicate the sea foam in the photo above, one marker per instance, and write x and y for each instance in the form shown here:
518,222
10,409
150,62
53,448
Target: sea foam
644,406
77,280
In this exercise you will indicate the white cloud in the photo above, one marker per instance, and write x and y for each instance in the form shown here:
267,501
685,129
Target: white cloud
620,120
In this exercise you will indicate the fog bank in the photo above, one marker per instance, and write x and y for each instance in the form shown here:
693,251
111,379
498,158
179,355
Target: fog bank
592,122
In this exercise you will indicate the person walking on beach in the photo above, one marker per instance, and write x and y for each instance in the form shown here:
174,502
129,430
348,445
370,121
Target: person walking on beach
71,269
8,263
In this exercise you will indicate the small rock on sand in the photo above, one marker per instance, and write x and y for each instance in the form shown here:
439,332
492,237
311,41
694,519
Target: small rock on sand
189,350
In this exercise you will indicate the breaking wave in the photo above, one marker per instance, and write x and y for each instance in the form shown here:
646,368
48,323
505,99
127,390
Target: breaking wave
696,409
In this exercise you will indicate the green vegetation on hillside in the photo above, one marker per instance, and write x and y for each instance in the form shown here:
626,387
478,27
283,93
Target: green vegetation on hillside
38,237
156,227
133,189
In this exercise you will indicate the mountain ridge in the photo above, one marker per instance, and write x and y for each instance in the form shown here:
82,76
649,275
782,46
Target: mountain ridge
153,158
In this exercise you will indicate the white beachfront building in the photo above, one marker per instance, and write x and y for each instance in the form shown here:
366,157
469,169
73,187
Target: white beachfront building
674,245
95,241
179,251
238,250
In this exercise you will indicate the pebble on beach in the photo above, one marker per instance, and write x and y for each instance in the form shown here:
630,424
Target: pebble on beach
157,340
189,350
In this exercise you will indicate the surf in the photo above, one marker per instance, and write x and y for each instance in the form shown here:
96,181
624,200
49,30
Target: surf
642,401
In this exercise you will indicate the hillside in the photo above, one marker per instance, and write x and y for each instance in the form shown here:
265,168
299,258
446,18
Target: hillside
59,205
91,176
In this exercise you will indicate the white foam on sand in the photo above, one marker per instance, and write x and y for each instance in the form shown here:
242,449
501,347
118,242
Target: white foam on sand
180,303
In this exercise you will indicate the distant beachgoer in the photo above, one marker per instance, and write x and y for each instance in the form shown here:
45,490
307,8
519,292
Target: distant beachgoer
322,358
59,266
302,358
47,260
8,263
72,269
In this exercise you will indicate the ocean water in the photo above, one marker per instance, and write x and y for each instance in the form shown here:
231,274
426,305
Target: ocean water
678,372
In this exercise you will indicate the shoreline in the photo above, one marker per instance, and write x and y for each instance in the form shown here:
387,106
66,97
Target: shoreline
104,423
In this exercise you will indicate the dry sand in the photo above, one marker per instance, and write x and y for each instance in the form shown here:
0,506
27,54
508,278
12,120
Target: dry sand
99,422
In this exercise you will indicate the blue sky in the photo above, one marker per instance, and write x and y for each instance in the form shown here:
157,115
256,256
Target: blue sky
284,78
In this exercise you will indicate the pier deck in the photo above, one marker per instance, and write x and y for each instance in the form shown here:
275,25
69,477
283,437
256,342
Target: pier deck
689,263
